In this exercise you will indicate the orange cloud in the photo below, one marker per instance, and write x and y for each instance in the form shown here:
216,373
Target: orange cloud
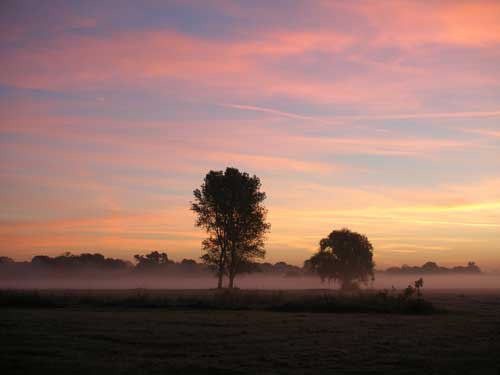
413,23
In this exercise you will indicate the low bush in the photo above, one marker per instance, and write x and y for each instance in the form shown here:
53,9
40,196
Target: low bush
306,301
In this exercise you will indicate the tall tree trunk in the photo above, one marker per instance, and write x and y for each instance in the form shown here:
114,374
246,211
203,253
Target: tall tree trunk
232,266
220,272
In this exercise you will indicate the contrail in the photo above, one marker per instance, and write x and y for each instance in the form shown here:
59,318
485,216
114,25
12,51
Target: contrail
336,119
425,115
277,112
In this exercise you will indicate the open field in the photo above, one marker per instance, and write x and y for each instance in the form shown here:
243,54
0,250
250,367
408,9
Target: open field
117,340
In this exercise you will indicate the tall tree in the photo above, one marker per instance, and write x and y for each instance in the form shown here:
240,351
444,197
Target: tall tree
345,256
229,206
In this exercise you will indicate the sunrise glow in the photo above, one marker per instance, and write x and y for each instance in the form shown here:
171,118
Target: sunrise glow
383,117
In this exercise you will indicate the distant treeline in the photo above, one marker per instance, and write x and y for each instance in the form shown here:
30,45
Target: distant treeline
433,268
152,264
159,264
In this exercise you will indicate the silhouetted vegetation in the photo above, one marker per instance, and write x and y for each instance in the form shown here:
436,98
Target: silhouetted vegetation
152,262
419,284
381,302
229,206
229,299
91,266
6,260
434,268
158,265
85,261
344,256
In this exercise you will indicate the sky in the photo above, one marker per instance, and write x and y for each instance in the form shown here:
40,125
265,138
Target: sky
383,117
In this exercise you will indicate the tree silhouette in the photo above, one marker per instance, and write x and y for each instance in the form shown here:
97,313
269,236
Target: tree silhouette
6,260
85,261
323,263
229,206
430,267
152,261
344,256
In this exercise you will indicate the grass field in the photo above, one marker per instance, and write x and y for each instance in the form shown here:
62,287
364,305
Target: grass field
114,340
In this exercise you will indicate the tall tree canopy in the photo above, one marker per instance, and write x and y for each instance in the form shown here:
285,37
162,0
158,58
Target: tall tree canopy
344,256
229,206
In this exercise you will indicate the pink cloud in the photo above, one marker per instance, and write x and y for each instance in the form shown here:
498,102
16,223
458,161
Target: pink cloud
413,23
245,68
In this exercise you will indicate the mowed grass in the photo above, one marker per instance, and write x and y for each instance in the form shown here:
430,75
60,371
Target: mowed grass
114,340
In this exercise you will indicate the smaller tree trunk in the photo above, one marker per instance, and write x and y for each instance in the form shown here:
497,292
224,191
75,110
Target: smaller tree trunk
219,282
231,281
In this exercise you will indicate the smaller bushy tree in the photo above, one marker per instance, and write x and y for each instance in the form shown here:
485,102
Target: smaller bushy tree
345,256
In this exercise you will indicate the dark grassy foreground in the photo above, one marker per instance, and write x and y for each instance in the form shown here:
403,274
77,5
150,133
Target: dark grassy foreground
163,332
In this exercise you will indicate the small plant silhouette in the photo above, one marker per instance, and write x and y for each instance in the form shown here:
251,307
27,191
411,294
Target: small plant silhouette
419,284
408,292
